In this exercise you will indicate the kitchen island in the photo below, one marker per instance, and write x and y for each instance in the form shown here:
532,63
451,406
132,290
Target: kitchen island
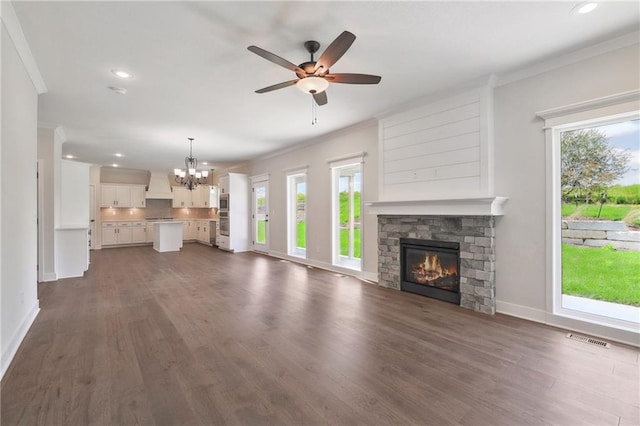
167,236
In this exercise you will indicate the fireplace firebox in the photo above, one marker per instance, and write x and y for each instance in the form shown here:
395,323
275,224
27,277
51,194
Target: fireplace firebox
430,268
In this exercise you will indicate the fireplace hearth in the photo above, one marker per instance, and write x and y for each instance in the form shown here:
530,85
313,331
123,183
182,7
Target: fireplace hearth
430,268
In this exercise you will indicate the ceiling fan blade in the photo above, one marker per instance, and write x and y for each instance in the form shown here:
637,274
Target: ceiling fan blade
334,52
277,86
353,78
320,98
275,59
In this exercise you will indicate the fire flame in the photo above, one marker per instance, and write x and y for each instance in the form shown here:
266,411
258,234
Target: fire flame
430,269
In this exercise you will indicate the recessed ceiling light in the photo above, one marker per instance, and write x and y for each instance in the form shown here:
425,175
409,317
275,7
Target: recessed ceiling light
204,163
114,165
118,90
69,156
118,154
122,74
585,7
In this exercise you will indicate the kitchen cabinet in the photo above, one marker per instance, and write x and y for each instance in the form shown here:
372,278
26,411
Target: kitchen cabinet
236,220
198,198
213,196
138,194
113,195
181,197
189,230
138,232
150,232
116,233
223,184
202,231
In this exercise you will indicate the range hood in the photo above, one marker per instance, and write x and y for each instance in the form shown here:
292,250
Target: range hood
159,187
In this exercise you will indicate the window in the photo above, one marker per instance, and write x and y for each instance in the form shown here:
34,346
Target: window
296,214
598,118
346,212
600,208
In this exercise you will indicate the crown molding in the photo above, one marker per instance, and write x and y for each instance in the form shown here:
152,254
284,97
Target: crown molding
568,59
12,24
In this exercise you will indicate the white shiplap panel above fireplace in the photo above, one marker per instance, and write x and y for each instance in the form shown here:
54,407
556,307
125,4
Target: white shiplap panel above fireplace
443,149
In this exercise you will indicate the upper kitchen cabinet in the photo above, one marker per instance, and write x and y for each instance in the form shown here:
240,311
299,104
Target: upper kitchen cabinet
138,195
223,184
113,195
199,197
181,197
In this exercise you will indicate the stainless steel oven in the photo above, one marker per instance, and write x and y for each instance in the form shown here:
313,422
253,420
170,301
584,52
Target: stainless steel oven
223,218
224,202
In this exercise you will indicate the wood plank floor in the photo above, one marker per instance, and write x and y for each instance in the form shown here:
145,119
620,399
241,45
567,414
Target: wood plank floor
207,337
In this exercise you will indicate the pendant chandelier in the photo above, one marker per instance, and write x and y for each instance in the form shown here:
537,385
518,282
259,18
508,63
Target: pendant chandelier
190,177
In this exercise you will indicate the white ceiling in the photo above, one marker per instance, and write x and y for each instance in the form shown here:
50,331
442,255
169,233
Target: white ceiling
194,76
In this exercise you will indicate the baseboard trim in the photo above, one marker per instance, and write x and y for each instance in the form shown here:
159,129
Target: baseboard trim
597,330
521,311
323,265
18,337
49,276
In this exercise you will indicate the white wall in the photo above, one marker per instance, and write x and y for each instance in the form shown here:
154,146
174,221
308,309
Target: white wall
74,194
314,157
18,218
46,155
520,167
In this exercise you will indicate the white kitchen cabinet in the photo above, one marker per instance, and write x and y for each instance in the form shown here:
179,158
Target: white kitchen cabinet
138,232
202,230
138,194
116,233
213,196
189,230
223,184
109,236
236,186
150,232
113,195
198,198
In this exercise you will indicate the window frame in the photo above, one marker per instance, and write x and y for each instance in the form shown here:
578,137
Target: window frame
292,224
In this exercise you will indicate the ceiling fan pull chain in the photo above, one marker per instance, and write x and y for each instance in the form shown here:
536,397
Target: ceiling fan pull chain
314,112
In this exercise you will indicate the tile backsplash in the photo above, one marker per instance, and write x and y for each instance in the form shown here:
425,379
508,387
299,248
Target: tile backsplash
156,209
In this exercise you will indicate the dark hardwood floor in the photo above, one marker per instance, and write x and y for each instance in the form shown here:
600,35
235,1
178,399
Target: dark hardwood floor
207,337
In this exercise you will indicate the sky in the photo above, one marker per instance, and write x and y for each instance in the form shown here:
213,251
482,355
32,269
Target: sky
626,135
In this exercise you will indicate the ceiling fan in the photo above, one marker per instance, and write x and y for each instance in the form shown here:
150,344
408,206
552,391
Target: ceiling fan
314,76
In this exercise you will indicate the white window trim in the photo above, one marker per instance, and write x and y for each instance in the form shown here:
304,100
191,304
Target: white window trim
336,258
601,111
292,249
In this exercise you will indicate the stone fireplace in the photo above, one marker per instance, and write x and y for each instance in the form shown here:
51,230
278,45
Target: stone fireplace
475,236
436,182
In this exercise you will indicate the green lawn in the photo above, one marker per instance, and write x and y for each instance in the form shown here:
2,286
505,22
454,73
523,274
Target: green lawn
302,235
629,213
601,273
262,231
344,242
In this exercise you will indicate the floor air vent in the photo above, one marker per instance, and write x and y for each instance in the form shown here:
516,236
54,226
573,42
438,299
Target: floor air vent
589,340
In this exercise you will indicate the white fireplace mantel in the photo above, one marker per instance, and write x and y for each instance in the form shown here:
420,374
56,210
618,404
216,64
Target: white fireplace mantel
474,206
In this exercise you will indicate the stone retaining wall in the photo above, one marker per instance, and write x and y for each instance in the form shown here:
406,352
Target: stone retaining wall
599,233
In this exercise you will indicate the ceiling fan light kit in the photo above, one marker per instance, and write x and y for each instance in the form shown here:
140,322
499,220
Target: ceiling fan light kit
314,76
312,84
